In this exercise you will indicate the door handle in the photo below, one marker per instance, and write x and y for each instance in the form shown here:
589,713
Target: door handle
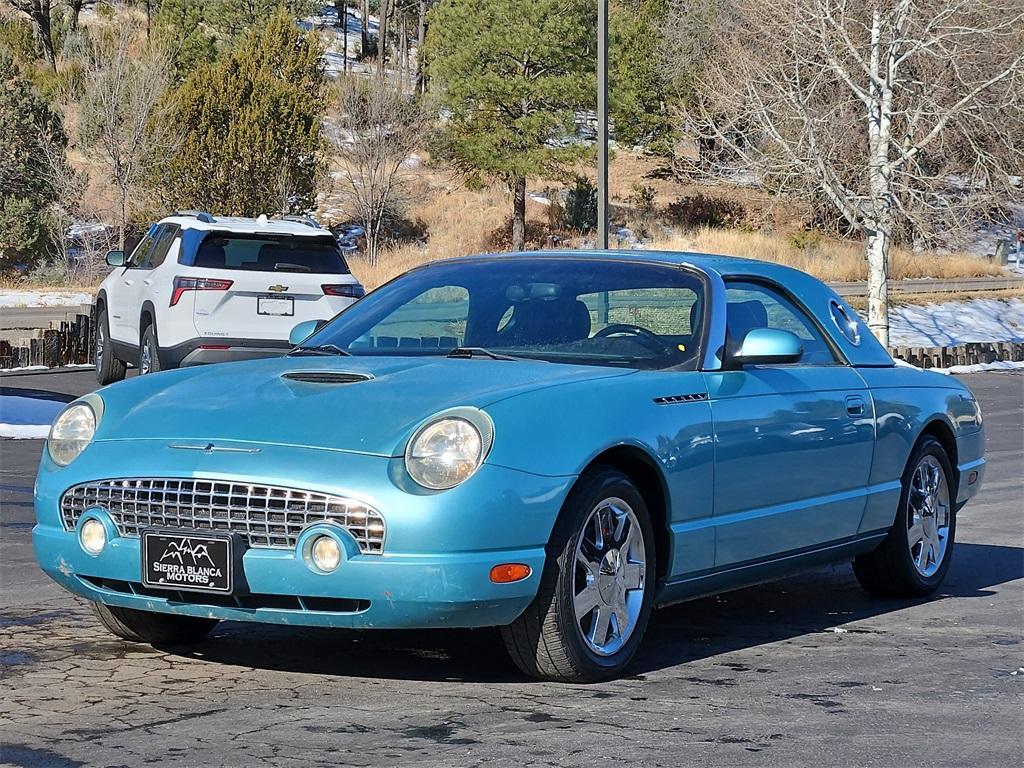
855,405
129,282
148,281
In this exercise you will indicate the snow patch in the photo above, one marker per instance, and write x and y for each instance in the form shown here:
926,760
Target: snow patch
24,431
956,322
997,365
12,298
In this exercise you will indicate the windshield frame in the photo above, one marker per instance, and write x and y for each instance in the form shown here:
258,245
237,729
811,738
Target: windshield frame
697,361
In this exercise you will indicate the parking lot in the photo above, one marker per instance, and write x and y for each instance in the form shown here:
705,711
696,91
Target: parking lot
805,671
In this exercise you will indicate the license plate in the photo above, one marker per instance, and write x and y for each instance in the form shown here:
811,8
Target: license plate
187,561
281,306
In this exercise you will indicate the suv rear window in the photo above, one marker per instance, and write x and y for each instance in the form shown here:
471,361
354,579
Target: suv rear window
270,253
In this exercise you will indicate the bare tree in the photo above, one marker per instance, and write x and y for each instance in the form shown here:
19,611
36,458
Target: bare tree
38,12
902,114
123,121
377,128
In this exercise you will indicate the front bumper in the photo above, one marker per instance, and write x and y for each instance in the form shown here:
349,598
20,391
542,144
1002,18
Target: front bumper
434,571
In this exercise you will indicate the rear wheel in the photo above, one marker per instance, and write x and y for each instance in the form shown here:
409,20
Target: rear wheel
915,556
157,628
595,597
149,352
108,368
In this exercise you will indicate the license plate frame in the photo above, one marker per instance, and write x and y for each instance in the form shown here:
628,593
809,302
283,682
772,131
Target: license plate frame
199,549
275,306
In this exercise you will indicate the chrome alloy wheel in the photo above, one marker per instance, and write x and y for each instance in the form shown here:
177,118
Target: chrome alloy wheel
609,578
146,358
928,516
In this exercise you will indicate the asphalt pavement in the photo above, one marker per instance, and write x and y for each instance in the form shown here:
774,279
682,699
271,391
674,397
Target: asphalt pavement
808,671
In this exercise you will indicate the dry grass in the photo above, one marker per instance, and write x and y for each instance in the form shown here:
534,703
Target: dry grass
829,260
458,222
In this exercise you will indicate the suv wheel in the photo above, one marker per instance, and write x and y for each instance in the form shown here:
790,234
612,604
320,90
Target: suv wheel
149,352
108,368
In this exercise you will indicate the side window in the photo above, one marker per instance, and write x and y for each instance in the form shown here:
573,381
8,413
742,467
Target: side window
753,305
141,253
165,243
152,251
436,318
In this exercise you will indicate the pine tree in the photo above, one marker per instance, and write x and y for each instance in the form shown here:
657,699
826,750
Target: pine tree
514,77
250,125
182,27
27,125
641,93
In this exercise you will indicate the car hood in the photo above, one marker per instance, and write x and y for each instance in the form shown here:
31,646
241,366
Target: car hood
368,405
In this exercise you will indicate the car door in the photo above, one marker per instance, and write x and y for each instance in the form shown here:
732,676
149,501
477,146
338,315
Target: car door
136,281
793,443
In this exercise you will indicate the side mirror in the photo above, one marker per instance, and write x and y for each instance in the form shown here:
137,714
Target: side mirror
768,346
115,258
304,330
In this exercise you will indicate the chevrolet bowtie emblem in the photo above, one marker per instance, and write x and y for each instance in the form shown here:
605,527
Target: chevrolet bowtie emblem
278,288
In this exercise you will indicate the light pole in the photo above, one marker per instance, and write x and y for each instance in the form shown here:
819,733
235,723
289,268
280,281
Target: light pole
602,124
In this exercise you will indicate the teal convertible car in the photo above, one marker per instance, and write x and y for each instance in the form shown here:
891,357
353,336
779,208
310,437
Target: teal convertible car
550,443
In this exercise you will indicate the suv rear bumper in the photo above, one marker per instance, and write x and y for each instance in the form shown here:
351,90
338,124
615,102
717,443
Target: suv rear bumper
220,350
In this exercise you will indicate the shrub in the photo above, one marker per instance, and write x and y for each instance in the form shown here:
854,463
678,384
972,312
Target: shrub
581,206
702,210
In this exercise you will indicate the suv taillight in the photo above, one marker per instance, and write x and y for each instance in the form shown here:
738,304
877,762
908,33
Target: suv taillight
182,284
349,290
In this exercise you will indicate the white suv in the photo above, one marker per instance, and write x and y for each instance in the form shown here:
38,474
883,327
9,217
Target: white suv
200,289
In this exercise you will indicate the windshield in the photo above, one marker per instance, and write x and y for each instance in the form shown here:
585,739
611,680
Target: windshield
271,253
562,310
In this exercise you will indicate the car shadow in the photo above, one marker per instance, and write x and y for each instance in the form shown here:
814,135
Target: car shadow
802,605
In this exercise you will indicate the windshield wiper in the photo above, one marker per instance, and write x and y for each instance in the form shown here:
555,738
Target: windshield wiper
321,349
468,353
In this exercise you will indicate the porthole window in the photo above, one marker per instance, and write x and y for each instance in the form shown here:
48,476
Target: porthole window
846,325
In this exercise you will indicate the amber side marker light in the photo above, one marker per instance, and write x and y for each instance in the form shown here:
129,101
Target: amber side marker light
506,573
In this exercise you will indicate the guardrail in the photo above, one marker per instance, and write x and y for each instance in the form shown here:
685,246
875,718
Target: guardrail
929,285
962,354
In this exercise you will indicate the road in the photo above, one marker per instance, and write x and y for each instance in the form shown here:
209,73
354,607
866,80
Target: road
39,317
805,671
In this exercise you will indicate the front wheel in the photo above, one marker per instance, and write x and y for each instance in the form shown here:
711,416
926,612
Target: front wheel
108,368
153,628
597,588
914,558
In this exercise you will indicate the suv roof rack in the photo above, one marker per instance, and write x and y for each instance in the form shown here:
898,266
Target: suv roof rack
307,220
202,216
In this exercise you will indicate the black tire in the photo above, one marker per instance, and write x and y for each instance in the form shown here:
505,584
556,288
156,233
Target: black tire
546,640
154,628
890,570
108,368
149,349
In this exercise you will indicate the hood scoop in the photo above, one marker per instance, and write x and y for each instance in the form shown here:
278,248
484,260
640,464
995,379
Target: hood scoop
325,377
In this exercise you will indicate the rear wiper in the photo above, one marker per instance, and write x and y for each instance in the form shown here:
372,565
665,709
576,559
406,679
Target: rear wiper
468,353
321,349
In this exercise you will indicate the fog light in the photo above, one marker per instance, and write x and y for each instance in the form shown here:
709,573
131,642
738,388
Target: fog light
326,554
93,536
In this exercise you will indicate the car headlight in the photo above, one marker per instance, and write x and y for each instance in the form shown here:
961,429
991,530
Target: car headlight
73,430
448,450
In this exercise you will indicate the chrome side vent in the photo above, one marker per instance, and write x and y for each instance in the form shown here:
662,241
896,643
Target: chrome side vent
673,399
325,377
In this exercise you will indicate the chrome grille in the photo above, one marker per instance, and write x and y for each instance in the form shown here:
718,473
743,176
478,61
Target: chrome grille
266,515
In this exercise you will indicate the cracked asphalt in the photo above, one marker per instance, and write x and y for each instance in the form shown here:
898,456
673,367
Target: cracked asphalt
804,671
